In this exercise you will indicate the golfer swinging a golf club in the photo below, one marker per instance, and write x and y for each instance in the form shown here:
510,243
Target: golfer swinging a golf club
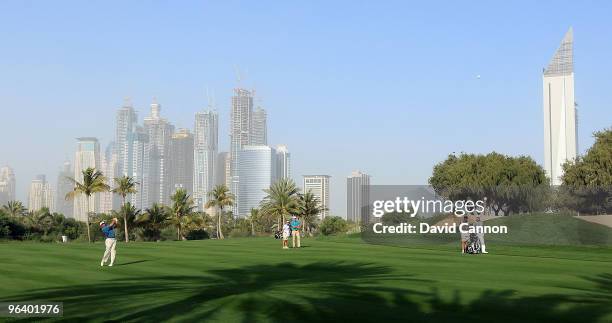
110,242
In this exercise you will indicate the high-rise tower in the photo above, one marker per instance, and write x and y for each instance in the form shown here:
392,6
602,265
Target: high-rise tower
40,194
125,127
205,146
240,133
357,196
257,172
64,185
139,168
560,128
7,185
159,132
108,167
87,155
283,163
318,185
181,161
259,127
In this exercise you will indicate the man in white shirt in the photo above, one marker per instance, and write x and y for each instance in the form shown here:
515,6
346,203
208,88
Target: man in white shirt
480,233
286,233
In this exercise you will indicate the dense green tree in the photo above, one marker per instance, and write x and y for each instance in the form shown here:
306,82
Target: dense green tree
395,218
333,225
71,228
93,182
263,222
193,224
14,209
41,220
587,180
220,198
510,184
152,221
181,211
310,209
125,186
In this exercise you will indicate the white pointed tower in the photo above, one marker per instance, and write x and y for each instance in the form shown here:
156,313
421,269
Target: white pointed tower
560,129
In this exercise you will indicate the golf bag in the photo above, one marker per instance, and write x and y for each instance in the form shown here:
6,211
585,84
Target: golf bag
473,245
278,235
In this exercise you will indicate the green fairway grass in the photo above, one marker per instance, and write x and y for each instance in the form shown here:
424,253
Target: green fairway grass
333,279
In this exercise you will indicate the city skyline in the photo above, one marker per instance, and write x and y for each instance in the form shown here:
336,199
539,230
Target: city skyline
317,104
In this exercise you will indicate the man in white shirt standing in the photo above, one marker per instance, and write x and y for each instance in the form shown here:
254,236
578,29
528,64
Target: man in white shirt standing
286,233
480,233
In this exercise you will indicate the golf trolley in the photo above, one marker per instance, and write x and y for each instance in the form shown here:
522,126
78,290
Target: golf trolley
278,235
473,244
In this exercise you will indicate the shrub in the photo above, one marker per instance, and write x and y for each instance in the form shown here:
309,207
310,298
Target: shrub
199,234
333,225
168,233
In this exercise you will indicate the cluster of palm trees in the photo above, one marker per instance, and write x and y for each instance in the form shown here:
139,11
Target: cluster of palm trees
27,224
181,213
282,201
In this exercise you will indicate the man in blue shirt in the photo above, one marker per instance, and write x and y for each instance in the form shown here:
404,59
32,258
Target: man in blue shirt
296,227
109,232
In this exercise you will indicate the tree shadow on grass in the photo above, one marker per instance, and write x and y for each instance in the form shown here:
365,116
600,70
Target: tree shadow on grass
130,262
322,291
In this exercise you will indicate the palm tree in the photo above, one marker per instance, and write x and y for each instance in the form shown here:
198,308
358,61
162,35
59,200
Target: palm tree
125,186
40,220
14,209
182,208
252,218
220,197
93,182
310,208
153,220
282,200
129,213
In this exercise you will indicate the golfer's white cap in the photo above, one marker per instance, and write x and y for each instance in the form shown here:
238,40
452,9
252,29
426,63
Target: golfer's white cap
102,222
294,217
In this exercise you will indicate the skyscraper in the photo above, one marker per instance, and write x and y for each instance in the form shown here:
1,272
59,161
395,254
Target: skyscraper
7,185
125,128
240,133
357,196
132,153
40,194
87,155
64,185
138,167
318,185
560,128
181,161
283,163
206,143
259,127
256,172
221,170
108,167
159,131
228,171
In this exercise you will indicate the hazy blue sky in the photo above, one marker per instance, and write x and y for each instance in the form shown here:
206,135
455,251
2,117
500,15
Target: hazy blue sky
386,87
